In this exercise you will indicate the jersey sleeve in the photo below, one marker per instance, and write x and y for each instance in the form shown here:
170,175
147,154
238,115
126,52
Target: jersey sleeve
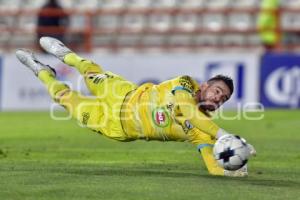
198,137
205,144
189,110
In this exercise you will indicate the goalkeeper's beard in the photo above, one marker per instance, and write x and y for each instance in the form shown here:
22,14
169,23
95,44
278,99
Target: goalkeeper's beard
207,106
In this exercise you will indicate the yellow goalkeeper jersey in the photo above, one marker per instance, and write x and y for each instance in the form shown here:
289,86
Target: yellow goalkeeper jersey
157,112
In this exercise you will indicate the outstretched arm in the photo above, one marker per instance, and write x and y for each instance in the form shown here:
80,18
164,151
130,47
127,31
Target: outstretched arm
205,144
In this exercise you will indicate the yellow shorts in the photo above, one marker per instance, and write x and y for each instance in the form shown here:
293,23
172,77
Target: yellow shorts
115,89
102,113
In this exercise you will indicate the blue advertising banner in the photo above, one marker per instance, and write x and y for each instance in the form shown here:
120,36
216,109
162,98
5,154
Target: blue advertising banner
280,80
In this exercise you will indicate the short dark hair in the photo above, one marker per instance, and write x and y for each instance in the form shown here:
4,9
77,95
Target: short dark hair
226,79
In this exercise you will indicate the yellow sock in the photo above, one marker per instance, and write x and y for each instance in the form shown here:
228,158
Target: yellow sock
210,162
72,59
54,86
84,66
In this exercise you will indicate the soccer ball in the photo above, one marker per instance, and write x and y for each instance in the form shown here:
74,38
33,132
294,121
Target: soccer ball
231,152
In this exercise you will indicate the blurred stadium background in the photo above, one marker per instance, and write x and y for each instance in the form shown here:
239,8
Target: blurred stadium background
160,25
256,42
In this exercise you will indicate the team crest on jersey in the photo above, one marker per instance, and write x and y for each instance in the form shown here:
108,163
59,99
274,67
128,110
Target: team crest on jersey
160,117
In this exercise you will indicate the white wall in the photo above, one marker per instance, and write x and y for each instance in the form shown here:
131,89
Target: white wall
22,91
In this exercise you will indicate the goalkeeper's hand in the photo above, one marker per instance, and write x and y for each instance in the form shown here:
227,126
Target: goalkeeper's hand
251,149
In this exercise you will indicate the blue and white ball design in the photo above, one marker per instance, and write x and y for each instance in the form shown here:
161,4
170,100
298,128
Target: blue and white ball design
231,152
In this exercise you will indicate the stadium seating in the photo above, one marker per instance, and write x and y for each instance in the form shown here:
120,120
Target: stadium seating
188,22
9,5
159,22
290,20
163,3
190,3
85,4
146,23
138,4
291,3
244,3
134,22
217,4
214,22
30,4
111,4
241,21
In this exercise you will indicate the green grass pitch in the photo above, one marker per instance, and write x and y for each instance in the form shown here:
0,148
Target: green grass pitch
45,159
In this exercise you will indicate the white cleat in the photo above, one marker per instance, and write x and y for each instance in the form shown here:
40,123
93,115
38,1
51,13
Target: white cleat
242,172
27,58
54,47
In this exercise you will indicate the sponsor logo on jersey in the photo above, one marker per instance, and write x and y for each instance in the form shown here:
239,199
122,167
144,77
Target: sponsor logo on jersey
160,117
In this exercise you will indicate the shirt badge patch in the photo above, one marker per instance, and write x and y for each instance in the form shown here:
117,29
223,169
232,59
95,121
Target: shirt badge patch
160,117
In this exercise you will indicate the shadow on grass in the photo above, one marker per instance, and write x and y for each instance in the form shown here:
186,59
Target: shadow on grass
131,172
153,170
256,181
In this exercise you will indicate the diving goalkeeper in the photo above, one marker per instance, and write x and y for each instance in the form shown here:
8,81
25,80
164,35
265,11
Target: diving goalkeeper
175,110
